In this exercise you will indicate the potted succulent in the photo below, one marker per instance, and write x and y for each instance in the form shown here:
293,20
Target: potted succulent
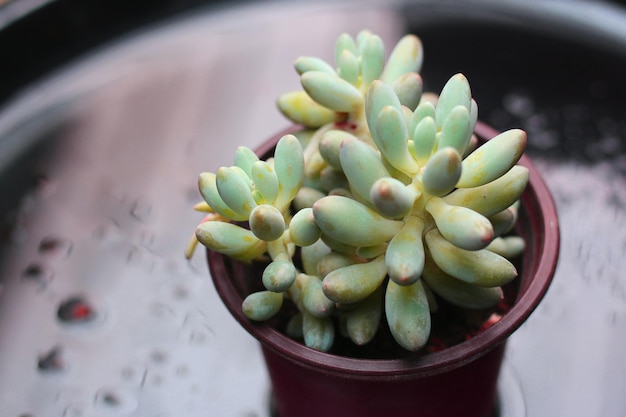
373,249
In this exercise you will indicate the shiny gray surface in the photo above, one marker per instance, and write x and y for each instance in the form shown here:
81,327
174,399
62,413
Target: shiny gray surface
112,147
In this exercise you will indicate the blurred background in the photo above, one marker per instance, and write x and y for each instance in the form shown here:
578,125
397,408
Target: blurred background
109,110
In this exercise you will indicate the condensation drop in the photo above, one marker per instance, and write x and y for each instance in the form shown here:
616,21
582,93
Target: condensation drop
162,311
194,318
182,371
110,399
38,273
147,237
180,292
76,309
51,361
134,256
141,257
115,400
182,289
200,336
128,373
55,247
158,356
545,139
106,232
195,329
141,210
74,410
518,104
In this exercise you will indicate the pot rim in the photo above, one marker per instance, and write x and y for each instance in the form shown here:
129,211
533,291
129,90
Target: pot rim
536,194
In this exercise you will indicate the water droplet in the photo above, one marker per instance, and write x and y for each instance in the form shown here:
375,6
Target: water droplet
134,256
180,292
39,273
141,210
195,329
200,335
141,257
172,267
544,140
51,361
76,310
182,289
110,399
182,371
133,375
518,104
536,123
128,373
55,247
74,410
158,356
147,237
107,232
195,317
115,400
610,145
162,311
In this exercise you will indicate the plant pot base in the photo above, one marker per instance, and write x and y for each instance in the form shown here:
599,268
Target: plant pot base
509,401
450,392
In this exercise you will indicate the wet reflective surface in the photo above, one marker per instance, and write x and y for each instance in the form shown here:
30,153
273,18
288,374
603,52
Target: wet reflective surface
100,315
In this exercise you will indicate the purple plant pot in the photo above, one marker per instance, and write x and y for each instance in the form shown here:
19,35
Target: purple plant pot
457,381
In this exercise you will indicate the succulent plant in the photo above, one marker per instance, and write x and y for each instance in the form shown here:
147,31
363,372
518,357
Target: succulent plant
386,193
